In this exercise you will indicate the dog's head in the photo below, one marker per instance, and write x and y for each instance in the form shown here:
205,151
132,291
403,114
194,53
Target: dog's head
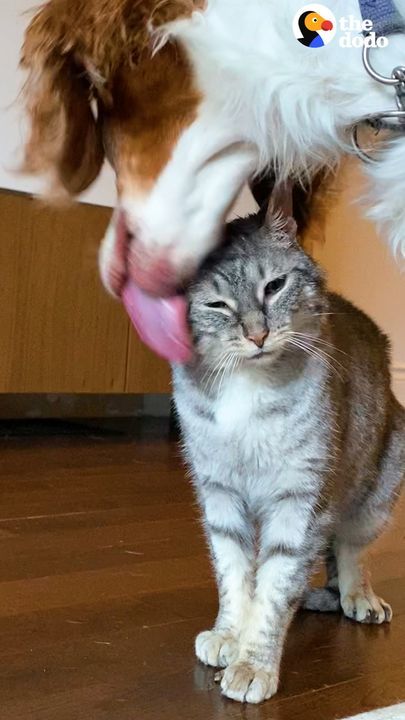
104,79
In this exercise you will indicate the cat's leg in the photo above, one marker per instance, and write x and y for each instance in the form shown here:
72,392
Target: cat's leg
362,527
357,597
230,535
290,542
356,531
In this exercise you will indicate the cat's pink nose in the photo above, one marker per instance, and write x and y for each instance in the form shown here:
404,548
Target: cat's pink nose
259,337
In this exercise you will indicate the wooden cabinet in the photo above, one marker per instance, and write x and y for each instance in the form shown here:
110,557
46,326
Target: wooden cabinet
60,332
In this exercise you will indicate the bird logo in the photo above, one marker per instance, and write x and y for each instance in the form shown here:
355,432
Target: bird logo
314,28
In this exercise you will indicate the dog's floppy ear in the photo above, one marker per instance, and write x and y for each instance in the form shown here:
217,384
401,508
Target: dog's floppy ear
65,140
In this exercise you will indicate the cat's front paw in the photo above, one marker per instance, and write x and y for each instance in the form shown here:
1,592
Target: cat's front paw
216,649
247,682
366,608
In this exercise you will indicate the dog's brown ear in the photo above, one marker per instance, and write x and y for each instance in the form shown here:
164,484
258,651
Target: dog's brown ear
65,140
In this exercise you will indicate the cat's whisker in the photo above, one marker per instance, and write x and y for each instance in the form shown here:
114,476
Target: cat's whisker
321,355
324,314
331,358
231,366
227,366
314,338
220,376
316,354
308,341
208,374
329,345
236,364
220,369
213,372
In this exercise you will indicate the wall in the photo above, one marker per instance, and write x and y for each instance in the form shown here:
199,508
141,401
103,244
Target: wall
14,16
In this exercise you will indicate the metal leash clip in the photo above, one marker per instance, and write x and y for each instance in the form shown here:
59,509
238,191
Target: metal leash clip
398,73
379,120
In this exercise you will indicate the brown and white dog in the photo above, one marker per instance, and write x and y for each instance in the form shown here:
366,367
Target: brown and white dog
188,99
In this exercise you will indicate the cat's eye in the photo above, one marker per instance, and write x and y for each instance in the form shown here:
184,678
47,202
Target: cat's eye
218,305
274,286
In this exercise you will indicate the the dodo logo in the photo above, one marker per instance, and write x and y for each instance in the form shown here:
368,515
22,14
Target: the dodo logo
314,26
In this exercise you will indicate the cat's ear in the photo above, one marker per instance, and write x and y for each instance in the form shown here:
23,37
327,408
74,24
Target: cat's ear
280,208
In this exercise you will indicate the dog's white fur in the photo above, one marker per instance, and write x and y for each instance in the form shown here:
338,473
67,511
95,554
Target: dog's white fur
266,100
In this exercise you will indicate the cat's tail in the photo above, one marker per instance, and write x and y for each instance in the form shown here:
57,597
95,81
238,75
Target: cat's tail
324,599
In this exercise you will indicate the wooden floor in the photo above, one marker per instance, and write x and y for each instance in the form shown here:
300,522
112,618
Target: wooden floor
104,582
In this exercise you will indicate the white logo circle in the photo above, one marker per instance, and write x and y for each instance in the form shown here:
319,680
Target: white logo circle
314,25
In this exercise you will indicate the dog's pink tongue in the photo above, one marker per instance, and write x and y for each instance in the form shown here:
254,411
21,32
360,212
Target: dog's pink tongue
161,323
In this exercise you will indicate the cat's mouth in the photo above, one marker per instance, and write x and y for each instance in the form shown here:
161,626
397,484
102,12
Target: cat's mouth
260,354
265,353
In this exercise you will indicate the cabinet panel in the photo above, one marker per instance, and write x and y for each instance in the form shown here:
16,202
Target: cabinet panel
59,330
145,370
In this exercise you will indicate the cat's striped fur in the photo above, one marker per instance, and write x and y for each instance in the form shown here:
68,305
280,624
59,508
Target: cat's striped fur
297,448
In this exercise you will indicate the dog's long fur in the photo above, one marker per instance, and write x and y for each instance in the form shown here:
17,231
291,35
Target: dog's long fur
237,91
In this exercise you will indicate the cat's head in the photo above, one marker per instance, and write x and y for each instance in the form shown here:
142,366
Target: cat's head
253,292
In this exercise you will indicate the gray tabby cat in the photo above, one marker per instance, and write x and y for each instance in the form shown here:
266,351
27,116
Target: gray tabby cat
295,441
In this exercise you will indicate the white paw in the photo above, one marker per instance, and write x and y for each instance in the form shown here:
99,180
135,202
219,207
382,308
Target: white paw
246,683
366,608
216,649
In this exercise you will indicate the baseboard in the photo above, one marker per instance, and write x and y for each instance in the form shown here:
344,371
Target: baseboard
83,406
88,406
